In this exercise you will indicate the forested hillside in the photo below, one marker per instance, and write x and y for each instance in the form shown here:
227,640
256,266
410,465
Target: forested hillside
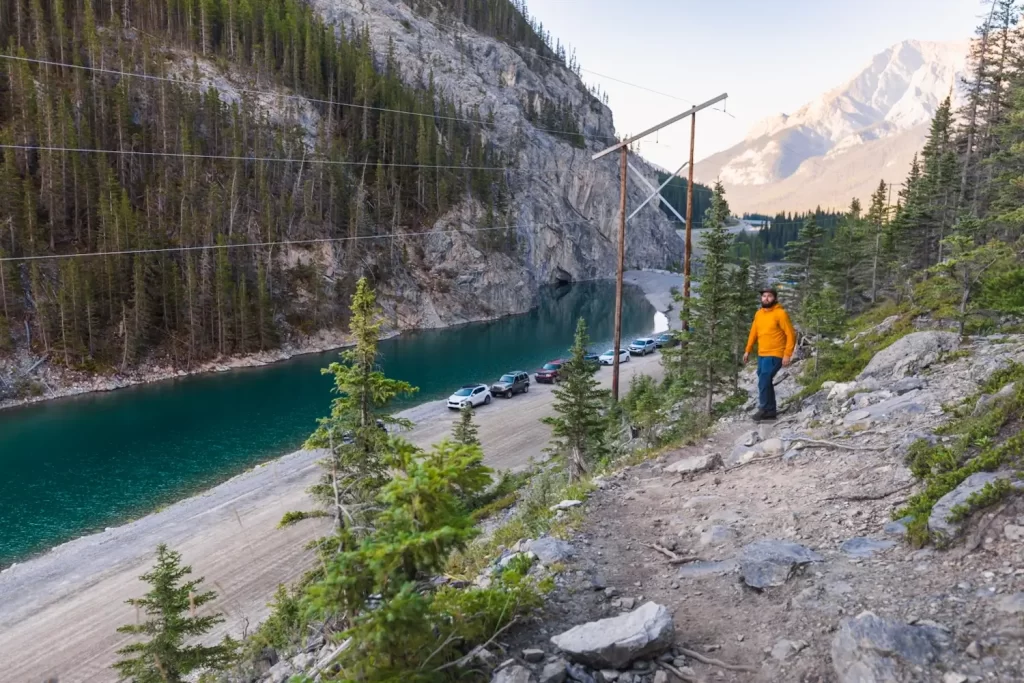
225,170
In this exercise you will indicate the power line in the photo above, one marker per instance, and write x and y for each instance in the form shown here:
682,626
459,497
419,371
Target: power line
227,157
206,247
302,98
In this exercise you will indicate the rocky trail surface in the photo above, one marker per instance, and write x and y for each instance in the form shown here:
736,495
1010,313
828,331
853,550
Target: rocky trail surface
771,550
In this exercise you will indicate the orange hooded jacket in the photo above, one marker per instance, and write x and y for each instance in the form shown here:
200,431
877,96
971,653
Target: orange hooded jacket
772,332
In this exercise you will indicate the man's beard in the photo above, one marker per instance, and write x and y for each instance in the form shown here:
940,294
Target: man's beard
768,305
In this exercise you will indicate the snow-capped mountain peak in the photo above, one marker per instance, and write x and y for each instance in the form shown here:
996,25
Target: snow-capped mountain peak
887,104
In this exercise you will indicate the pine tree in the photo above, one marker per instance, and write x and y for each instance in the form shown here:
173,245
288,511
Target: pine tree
578,430
822,315
877,218
464,431
359,451
170,607
710,347
810,259
847,258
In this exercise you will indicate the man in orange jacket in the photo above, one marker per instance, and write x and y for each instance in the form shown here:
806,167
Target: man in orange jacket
775,339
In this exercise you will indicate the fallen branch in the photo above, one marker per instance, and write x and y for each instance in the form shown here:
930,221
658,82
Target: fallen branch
672,557
717,662
461,662
679,674
871,496
832,444
751,462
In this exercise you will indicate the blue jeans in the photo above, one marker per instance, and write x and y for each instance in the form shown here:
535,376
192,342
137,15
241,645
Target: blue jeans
767,368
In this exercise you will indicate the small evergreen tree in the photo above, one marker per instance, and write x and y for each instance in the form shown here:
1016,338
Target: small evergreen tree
709,350
578,430
170,607
464,431
643,405
359,450
847,259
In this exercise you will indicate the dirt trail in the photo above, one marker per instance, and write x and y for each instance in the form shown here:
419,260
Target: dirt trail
59,612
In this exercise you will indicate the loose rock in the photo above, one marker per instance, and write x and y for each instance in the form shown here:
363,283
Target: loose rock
865,547
616,642
770,562
551,550
869,648
939,522
554,672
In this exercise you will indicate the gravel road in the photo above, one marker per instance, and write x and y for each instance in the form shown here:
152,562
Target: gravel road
59,612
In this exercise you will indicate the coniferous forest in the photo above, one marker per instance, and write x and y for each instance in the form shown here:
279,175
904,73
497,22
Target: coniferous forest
183,166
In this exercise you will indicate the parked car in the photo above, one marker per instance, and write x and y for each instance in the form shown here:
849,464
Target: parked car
666,339
551,372
593,360
471,395
608,357
642,346
515,382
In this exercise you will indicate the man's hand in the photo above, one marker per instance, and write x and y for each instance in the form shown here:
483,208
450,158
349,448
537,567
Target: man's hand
746,357
786,361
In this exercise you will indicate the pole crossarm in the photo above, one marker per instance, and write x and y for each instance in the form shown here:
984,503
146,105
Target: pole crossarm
688,112
657,193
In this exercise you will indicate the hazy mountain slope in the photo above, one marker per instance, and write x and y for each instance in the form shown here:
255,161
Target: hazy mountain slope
842,143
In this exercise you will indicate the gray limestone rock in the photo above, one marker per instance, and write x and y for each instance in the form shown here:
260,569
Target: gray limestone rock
551,550
869,649
554,672
909,354
616,642
1011,604
907,384
695,463
770,562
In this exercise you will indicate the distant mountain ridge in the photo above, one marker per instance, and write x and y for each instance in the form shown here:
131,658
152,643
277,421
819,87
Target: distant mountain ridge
842,143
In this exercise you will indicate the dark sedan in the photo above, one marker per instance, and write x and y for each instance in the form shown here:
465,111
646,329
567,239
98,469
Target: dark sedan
551,372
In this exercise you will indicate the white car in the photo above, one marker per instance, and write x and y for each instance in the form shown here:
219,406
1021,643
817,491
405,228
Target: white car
472,395
608,357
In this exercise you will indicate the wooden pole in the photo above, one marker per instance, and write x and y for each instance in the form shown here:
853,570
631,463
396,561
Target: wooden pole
618,277
689,227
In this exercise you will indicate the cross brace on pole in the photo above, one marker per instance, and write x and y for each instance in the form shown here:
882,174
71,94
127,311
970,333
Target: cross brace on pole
657,192
627,142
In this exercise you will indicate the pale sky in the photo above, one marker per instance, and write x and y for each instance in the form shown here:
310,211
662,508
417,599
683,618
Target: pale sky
771,56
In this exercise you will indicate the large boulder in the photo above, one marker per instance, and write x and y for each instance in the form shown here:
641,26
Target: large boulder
940,523
869,649
771,562
616,642
910,354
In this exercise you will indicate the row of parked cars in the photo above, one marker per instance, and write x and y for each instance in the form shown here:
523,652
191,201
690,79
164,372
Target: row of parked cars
518,381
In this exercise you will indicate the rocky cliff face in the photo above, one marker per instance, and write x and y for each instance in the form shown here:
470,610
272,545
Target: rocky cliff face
565,205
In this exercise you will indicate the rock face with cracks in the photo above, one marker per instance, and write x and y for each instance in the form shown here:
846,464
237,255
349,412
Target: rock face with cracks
616,642
910,354
564,204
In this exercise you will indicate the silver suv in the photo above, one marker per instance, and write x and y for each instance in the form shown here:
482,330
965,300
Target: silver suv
515,382
643,346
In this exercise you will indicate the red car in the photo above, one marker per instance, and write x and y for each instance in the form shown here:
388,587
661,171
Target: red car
551,372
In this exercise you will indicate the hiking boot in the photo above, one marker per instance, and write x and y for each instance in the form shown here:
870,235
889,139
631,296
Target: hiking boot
758,416
768,415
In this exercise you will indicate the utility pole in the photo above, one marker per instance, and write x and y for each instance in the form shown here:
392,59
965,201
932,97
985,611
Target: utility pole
624,147
618,276
689,227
